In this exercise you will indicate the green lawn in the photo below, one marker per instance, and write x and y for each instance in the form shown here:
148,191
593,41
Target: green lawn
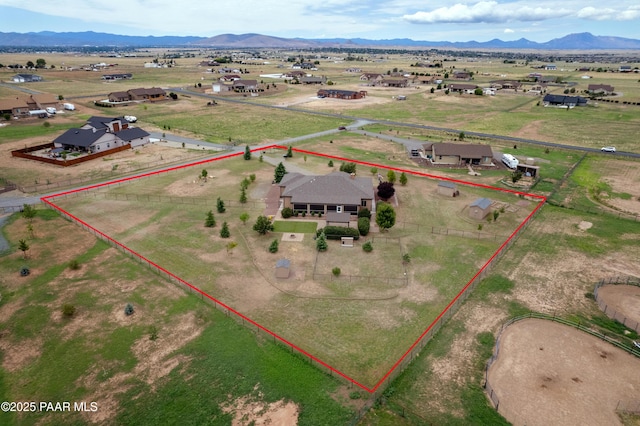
295,226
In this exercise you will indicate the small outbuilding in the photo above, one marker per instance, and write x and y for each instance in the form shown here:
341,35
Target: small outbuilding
480,208
283,267
447,188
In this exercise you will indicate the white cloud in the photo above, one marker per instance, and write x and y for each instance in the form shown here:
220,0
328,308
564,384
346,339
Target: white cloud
491,11
487,12
508,31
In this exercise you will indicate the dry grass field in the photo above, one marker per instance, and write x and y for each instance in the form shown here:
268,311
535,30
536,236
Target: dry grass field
357,325
326,317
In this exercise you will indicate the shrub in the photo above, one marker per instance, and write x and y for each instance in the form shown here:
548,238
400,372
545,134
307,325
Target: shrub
336,271
330,163
364,213
68,310
363,225
24,271
337,232
348,167
406,258
273,248
153,333
386,190
367,247
74,265
287,212
128,310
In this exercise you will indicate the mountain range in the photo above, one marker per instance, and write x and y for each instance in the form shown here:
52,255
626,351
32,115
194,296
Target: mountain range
580,41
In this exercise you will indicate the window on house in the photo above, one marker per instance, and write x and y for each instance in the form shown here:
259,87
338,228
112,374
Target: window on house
363,203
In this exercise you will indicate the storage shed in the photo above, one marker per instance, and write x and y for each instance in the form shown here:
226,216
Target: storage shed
480,208
447,188
283,268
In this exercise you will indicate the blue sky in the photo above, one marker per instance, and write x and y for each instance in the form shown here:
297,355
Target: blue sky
457,20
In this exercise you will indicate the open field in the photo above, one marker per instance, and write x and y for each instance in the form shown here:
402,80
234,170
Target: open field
129,365
202,364
318,315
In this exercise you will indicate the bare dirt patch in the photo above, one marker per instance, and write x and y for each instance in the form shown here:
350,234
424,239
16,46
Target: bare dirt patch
252,410
548,373
624,178
622,299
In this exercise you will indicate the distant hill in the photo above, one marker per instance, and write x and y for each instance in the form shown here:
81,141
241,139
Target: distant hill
581,41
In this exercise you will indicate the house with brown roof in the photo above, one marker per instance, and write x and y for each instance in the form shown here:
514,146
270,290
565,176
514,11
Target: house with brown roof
119,97
153,94
371,77
20,106
394,82
506,85
462,88
600,89
337,192
462,75
341,94
459,154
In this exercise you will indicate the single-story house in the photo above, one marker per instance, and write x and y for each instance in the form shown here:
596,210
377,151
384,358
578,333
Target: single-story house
123,76
551,67
245,85
394,82
563,100
119,97
506,85
447,188
341,94
230,77
372,78
313,80
459,154
282,268
20,106
625,68
336,192
152,94
291,75
462,88
303,66
101,134
600,89
425,79
462,75
480,208
26,78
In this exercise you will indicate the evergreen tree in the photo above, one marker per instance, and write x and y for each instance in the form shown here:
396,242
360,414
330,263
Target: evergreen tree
263,225
24,247
247,153
224,232
243,196
321,242
403,179
391,176
220,205
210,222
280,172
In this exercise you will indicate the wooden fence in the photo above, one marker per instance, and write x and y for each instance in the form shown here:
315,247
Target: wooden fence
24,153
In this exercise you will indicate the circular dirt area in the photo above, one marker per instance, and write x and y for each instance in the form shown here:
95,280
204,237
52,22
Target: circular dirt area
622,301
551,374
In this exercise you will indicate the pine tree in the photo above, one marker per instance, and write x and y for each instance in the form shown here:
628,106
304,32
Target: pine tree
224,232
321,242
391,176
247,153
243,196
280,172
220,205
24,247
403,179
210,222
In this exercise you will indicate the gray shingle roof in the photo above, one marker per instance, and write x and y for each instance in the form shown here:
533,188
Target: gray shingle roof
80,137
462,150
335,188
483,203
132,133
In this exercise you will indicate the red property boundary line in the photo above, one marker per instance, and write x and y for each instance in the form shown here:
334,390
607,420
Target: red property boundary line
448,310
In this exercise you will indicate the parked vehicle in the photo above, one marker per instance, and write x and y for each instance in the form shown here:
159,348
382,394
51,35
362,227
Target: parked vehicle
608,149
131,118
50,110
68,106
510,161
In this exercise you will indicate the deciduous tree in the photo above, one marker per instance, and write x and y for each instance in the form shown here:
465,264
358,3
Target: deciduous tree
385,216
